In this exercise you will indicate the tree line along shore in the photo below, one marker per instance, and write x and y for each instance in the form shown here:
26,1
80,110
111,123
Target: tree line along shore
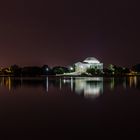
111,70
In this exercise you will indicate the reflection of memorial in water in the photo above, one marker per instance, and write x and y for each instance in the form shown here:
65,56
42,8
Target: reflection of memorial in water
90,87
87,86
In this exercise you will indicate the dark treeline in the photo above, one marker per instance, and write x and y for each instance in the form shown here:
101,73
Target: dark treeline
15,70
118,70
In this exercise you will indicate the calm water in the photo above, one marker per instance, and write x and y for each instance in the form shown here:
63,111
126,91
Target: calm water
62,106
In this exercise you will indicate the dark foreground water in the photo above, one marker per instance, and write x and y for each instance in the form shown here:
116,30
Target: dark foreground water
68,108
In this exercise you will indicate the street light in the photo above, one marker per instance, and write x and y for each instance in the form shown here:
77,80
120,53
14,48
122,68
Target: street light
47,69
71,68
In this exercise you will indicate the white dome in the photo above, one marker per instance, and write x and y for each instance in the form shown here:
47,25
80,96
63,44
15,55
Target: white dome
91,60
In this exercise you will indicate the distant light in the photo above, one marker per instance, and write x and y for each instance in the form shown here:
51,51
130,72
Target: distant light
71,68
47,69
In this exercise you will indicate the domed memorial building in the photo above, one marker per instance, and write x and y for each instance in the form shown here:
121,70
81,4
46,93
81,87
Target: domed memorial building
89,62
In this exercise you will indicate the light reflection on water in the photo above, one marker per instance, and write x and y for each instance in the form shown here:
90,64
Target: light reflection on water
90,87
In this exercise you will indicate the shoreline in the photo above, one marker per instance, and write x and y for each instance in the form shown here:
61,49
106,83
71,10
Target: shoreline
37,76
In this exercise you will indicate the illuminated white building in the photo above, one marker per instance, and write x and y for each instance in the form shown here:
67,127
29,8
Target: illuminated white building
89,62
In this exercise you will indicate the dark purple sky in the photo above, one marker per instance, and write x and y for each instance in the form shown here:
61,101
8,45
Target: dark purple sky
61,32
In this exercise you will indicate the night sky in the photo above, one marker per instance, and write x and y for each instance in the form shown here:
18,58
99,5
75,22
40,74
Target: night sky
62,32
